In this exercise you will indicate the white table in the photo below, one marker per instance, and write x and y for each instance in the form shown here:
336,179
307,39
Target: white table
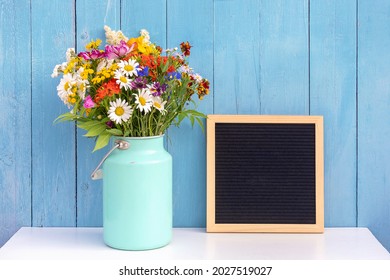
196,244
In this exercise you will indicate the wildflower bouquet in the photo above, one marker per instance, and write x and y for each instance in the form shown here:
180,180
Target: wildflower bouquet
130,88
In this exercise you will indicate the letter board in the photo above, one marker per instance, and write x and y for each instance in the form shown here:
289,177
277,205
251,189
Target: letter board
264,173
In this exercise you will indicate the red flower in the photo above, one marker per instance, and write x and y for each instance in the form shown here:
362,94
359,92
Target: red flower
107,89
203,88
152,62
185,48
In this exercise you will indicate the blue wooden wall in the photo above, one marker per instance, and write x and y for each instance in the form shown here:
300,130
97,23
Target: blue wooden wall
306,57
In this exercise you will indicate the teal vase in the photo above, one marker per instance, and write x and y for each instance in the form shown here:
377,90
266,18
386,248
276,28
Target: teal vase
137,195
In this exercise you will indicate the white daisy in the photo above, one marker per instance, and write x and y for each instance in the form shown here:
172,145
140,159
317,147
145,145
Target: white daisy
82,88
122,80
185,69
67,86
197,78
120,111
144,100
159,104
129,68
81,83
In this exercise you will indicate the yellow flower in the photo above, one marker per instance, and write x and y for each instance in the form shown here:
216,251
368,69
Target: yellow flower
93,44
104,74
142,45
96,80
70,67
72,98
151,49
85,73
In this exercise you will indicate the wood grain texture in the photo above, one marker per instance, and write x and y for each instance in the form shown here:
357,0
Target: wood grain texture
89,193
187,145
53,146
333,95
374,118
237,57
15,117
147,14
284,65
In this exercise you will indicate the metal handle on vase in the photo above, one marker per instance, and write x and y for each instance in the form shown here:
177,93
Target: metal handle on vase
98,173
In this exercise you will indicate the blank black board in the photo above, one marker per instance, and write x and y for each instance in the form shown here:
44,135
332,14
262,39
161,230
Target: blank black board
264,173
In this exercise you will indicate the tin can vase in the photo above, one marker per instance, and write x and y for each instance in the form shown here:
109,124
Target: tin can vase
137,194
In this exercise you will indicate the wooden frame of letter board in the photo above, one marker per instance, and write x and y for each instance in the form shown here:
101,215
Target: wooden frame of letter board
318,226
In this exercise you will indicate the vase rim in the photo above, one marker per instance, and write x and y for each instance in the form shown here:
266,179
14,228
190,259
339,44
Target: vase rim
140,137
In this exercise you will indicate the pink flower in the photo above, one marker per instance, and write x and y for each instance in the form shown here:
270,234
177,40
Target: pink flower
120,50
94,54
88,103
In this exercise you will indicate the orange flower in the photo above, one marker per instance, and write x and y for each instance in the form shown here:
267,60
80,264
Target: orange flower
149,61
152,62
107,89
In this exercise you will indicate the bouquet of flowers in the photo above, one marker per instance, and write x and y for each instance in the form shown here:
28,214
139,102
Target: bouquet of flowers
131,88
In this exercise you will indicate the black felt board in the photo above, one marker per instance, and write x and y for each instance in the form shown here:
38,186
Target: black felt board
265,173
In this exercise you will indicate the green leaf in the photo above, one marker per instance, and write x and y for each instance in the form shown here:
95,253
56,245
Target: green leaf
165,67
196,113
102,141
87,125
65,117
192,119
200,123
181,117
82,111
114,131
95,130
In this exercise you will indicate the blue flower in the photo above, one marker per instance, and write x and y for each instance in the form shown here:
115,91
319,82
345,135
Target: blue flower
173,75
143,72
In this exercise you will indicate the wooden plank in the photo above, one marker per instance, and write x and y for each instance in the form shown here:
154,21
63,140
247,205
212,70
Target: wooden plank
237,57
15,118
333,95
284,73
374,118
53,146
146,14
187,145
89,192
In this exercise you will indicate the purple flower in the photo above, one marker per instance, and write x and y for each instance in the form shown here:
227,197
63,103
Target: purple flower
116,51
94,54
157,89
110,124
138,83
88,103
